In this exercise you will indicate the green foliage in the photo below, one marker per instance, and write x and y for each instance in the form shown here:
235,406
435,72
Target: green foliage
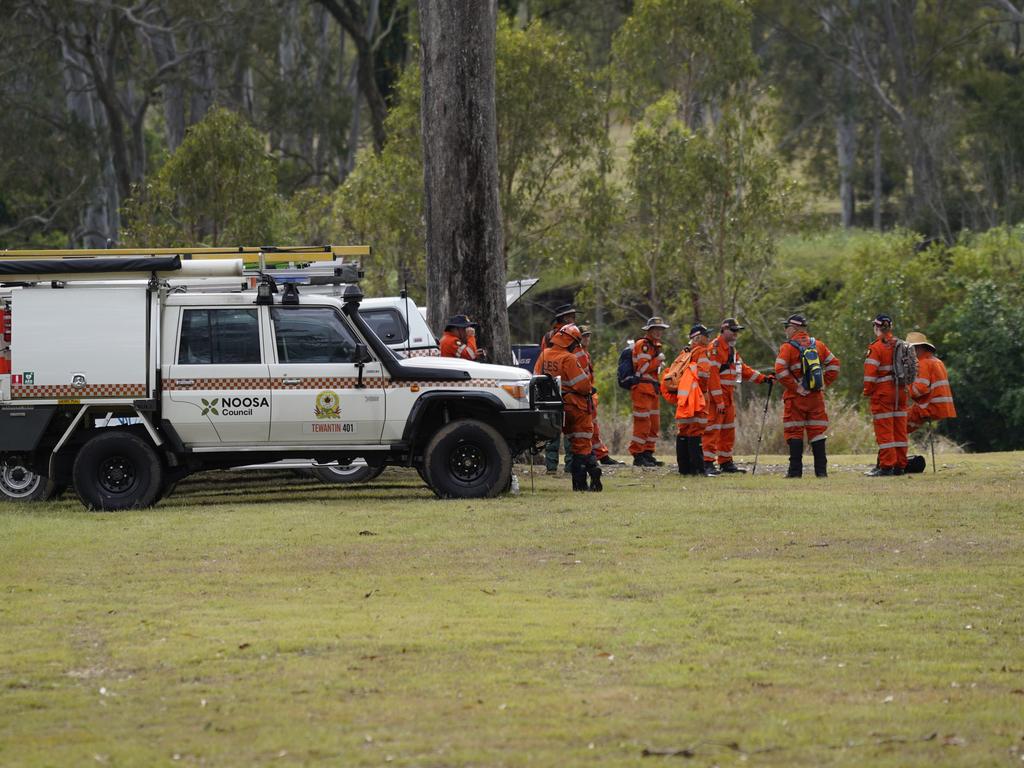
696,49
218,188
703,213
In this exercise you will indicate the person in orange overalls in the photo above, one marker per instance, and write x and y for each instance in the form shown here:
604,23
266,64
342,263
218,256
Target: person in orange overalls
559,360
693,401
803,410
583,353
721,432
888,401
647,359
564,315
459,339
932,396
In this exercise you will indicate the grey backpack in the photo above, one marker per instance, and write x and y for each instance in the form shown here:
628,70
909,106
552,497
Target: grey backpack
904,363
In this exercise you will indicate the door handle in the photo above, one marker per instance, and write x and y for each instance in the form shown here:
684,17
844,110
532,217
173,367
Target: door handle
184,382
291,381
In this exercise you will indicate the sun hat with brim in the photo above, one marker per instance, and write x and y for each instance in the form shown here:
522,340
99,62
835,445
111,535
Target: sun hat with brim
731,324
918,339
798,320
458,321
655,322
565,309
584,330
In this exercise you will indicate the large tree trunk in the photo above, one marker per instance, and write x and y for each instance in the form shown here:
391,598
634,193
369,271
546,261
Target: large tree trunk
465,267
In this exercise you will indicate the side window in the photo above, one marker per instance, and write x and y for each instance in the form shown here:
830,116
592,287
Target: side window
388,324
219,337
312,335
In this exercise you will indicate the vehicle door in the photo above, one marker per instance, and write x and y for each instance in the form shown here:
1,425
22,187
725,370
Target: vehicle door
217,390
317,397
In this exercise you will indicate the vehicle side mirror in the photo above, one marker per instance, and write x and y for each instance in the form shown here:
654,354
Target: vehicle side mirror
362,354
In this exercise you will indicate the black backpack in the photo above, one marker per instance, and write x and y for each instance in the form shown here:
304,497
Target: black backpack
626,375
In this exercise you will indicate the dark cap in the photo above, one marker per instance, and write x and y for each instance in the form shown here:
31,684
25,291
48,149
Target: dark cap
458,321
732,325
565,309
882,320
797,320
698,330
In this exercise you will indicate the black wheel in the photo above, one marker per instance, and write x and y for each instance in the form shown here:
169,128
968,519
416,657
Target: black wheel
19,483
422,472
117,470
467,459
166,490
356,472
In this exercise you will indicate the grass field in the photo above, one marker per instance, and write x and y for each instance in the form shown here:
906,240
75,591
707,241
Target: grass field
253,620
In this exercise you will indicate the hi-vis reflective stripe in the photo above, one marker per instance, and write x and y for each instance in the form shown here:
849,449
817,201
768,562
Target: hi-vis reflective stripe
878,379
941,400
645,414
889,415
872,361
892,445
638,440
585,435
937,384
829,359
316,382
694,420
780,361
808,423
919,380
575,380
23,392
783,374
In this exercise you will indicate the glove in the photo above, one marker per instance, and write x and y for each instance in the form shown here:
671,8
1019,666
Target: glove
661,356
768,377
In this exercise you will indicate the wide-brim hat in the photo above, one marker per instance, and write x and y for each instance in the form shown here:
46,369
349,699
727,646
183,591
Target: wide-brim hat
798,320
565,309
918,339
584,330
458,321
655,322
731,324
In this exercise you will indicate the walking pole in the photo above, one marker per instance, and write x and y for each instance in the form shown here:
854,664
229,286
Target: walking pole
931,439
764,418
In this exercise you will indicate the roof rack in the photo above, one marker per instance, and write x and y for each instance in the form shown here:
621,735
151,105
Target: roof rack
263,254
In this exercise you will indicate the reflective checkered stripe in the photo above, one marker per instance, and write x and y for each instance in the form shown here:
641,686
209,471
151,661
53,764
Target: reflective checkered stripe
317,382
43,391
428,352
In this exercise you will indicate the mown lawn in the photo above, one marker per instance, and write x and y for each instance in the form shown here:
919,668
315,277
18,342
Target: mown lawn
267,619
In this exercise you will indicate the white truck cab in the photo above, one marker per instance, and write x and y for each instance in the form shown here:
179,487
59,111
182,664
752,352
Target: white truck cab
219,380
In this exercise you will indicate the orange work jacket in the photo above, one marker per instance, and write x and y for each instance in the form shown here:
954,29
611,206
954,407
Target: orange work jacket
930,390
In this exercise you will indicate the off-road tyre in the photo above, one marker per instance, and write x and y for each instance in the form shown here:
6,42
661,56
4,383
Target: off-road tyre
20,484
350,473
118,470
467,459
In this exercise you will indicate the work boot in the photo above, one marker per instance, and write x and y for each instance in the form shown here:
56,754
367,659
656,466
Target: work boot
796,458
820,459
653,461
881,472
897,471
696,456
683,455
608,461
579,472
640,460
710,468
730,467
594,472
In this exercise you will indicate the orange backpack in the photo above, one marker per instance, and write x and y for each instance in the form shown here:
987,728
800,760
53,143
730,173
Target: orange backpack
674,373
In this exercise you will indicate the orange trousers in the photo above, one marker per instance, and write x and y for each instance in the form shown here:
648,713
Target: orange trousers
578,427
720,436
646,419
600,449
804,414
890,429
